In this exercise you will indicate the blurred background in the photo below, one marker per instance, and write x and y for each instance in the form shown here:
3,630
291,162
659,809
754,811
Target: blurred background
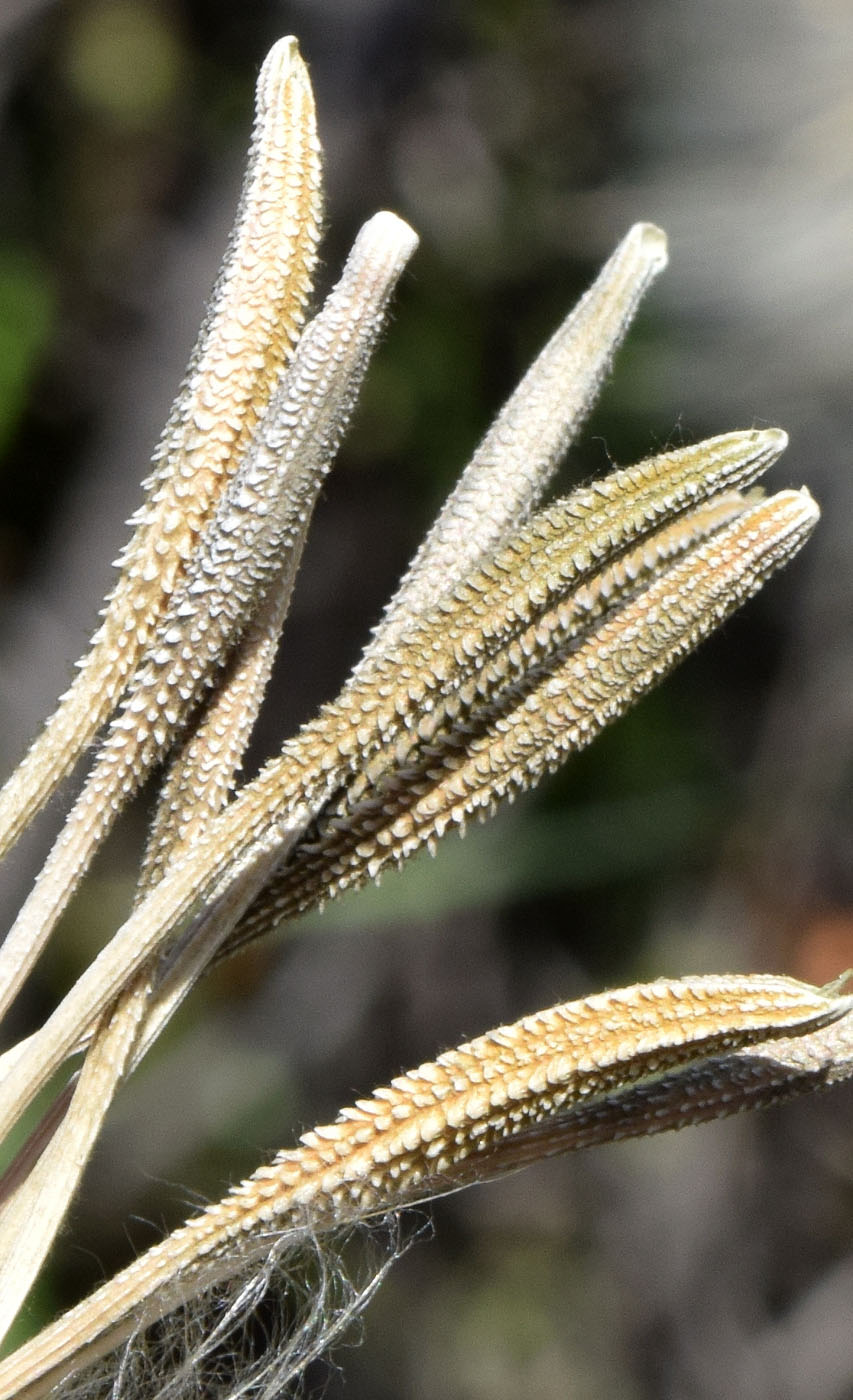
708,831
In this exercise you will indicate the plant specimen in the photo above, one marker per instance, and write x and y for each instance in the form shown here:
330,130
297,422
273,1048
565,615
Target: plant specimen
519,631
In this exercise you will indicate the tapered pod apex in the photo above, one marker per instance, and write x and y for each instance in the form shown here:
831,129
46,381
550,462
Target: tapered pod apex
810,513
387,230
282,61
653,242
774,439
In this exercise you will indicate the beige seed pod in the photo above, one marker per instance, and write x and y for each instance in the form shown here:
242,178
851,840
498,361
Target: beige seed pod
494,1104
258,524
247,336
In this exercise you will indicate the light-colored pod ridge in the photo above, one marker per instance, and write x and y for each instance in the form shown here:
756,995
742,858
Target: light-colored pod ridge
247,335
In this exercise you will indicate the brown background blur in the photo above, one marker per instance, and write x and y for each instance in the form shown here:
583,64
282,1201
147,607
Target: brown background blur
710,830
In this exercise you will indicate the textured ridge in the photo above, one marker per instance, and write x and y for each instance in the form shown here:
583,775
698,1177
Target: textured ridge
464,1117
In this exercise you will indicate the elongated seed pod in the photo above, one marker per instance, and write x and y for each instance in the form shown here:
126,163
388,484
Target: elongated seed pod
493,1104
260,518
349,836
561,702
392,701
564,704
247,336
298,439
518,456
559,713
549,556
